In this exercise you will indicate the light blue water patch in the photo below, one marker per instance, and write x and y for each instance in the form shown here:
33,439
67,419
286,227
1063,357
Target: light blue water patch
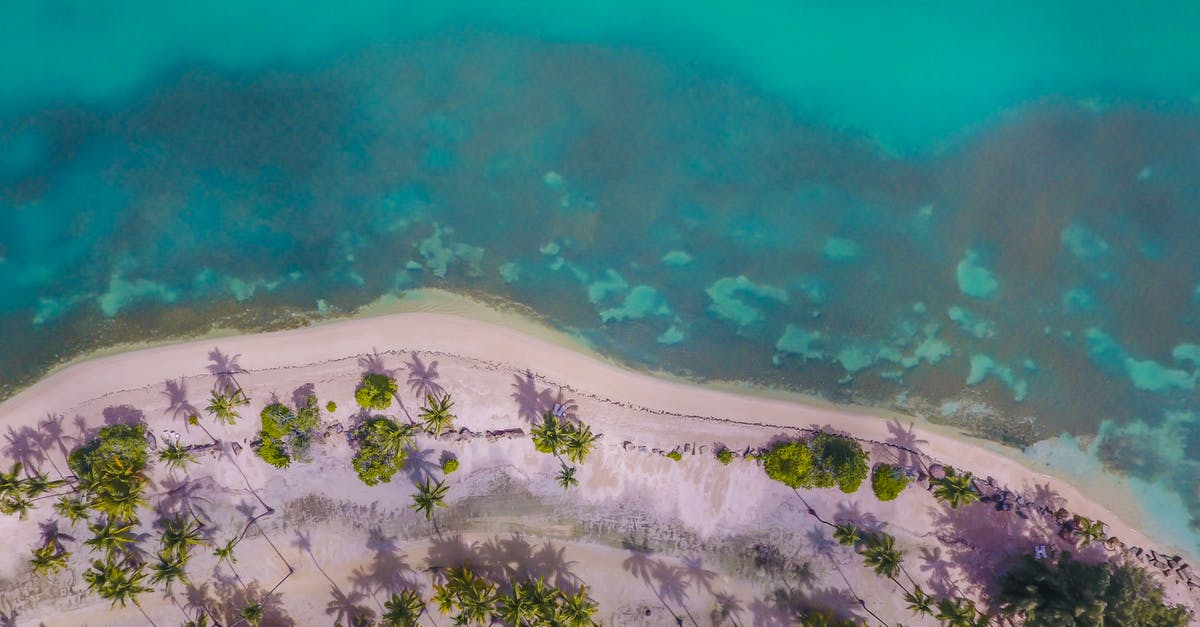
123,292
550,248
244,290
931,350
983,366
439,255
609,283
728,299
640,302
841,249
1082,242
972,323
677,258
510,272
1147,375
673,335
800,342
1187,352
1078,300
974,279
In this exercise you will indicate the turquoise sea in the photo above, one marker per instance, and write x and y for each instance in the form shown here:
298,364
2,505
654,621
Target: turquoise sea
985,213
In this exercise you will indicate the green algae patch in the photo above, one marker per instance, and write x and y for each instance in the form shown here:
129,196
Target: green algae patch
122,293
840,249
677,258
983,366
1146,374
972,323
673,335
510,272
640,302
439,255
727,299
1082,242
610,283
975,279
800,342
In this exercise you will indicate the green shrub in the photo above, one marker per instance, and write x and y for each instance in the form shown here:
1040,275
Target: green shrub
96,457
449,465
375,391
725,456
838,461
675,455
888,481
272,452
790,463
381,451
331,407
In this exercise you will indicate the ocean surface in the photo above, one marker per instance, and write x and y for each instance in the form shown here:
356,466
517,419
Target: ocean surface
987,214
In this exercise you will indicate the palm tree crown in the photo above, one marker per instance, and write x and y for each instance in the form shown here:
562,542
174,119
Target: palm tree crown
428,496
435,415
955,489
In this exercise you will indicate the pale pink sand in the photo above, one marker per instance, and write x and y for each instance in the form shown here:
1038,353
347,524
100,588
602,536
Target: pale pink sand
478,362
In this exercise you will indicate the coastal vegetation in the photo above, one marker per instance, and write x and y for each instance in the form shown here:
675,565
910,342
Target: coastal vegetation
223,404
1041,593
286,434
825,461
724,455
382,448
954,489
375,391
563,437
888,481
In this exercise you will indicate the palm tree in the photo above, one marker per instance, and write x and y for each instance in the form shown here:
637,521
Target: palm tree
201,621
920,602
111,536
566,477
253,613
476,599
72,508
16,503
111,581
578,443
10,482
49,558
956,612
1089,530
879,552
175,456
403,609
577,609
40,484
846,534
179,536
116,490
169,568
955,489
428,496
436,416
550,435
516,607
225,552
223,406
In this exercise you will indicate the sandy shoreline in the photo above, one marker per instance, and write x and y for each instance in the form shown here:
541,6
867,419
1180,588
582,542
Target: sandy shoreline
480,361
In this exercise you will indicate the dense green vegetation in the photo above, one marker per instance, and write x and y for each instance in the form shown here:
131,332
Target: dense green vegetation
825,461
561,437
376,391
725,456
888,481
472,599
286,435
675,455
382,448
955,489
1070,592
110,470
449,465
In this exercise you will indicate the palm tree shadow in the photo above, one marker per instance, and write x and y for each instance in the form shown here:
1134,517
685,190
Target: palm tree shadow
422,378
53,433
372,363
939,579
177,401
347,609
24,447
418,466
905,443
533,401
225,368
388,572
851,511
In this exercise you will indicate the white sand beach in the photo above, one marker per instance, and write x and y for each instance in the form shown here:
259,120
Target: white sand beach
653,539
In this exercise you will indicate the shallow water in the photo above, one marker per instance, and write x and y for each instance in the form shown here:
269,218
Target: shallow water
992,219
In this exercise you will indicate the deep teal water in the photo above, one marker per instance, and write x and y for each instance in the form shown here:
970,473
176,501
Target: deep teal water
987,216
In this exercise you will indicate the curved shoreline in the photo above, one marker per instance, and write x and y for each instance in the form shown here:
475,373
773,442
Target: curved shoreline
547,352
